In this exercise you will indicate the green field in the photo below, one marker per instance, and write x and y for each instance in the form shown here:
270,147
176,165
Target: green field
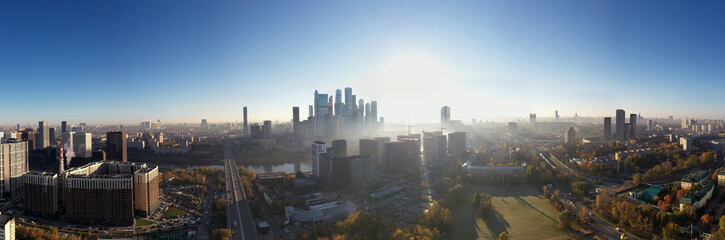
521,211
143,222
173,212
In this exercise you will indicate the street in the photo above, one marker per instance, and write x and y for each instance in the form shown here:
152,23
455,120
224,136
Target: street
239,215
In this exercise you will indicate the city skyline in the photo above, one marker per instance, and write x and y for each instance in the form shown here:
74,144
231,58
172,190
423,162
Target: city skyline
186,61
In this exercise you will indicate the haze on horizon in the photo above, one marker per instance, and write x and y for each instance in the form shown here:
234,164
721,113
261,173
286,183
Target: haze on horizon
181,61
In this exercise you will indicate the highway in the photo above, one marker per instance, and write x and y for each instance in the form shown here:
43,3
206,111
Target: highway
239,215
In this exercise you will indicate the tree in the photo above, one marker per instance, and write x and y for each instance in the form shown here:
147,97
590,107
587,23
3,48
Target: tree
503,236
437,216
721,231
221,205
546,190
637,179
221,234
670,231
565,219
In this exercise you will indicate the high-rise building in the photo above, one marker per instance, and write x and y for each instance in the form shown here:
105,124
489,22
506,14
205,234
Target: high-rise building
42,193
374,111
430,148
619,127
14,159
513,128
318,148
7,227
43,136
30,137
68,144
83,144
339,106
296,128
371,147
349,102
339,148
633,125
556,115
607,128
116,146
532,120
51,136
381,151
246,127
116,193
457,144
569,136
63,127
256,132
267,129
445,115
203,123
311,112
650,124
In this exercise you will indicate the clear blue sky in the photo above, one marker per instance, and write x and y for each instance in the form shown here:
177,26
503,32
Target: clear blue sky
180,61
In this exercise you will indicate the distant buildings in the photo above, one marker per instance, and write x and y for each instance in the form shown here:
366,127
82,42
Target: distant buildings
513,128
445,115
686,144
116,146
267,129
246,130
633,125
83,144
43,136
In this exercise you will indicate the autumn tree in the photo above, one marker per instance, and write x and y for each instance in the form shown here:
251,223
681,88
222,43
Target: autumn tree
221,234
503,236
565,219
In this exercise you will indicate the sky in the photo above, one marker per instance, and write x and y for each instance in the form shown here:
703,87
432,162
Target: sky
181,61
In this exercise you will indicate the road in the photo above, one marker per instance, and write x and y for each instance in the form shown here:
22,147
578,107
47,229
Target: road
239,215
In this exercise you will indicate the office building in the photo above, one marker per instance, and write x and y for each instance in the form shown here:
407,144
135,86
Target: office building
63,127
68,144
607,128
14,159
445,115
116,146
110,192
457,144
41,192
51,137
349,102
43,136
556,115
339,105
633,125
347,172
374,111
619,125
246,129
83,144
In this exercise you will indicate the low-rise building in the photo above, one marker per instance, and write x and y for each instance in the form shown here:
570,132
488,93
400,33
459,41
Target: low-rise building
699,198
690,180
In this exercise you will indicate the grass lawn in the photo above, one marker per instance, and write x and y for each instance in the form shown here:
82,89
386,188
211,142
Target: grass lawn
521,211
173,212
143,222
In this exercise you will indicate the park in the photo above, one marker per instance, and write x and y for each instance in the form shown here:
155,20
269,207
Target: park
521,211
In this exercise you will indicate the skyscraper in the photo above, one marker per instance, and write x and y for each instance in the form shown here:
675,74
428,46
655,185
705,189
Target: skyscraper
445,115
374,111
116,146
83,144
457,143
633,125
14,157
43,136
569,136
63,127
607,128
349,102
318,148
619,128
339,106
556,115
295,115
246,127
